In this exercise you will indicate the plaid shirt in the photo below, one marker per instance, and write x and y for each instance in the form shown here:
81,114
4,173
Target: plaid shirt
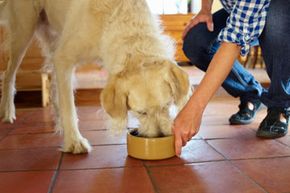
245,23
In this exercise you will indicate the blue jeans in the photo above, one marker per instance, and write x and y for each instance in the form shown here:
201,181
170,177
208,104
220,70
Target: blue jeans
200,45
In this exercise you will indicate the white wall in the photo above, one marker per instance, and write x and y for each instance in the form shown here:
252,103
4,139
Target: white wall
168,6
177,6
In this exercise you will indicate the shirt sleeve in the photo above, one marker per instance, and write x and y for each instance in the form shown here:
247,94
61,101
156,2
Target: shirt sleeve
245,23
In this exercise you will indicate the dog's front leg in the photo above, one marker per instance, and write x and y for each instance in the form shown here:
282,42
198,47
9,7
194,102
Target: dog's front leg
74,142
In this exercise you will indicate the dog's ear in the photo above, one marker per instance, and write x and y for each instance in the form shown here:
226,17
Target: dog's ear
179,84
114,101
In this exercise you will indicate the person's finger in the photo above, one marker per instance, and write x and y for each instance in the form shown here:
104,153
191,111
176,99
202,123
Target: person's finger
184,136
184,139
192,23
178,145
210,25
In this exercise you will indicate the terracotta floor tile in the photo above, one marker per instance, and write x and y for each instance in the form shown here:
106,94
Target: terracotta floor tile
33,159
4,131
218,113
37,115
101,157
106,137
48,127
194,151
4,125
216,109
34,129
92,125
118,180
22,113
30,144
215,177
285,140
245,148
272,174
261,114
90,113
31,141
25,182
224,131
214,120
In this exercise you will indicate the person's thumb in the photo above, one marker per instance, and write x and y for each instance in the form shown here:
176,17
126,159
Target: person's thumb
210,26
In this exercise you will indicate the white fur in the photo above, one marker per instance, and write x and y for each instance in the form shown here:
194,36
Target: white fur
123,35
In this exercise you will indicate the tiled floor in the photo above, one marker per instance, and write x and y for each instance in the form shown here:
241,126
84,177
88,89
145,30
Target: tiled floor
220,159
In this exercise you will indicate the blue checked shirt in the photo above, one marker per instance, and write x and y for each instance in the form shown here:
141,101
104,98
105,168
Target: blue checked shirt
245,23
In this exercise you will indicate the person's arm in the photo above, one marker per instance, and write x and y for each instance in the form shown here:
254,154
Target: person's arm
188,120
204,16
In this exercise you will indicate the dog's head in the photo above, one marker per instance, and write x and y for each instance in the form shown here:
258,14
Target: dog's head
148,92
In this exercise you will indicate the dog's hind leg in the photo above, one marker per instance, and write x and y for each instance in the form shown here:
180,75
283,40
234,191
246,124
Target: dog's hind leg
20,28
48,41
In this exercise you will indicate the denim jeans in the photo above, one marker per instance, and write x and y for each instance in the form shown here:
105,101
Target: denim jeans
200,45
275,44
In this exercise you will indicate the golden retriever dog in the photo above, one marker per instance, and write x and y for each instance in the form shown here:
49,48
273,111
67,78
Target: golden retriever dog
123,36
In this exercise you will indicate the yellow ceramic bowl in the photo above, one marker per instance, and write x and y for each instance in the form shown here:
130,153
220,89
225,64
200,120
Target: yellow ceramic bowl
150,148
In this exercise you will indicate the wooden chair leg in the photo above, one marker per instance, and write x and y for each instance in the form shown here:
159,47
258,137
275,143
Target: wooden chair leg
255,56
45,90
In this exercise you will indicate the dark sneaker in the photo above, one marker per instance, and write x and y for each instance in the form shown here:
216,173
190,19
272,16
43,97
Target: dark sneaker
245,115
272,126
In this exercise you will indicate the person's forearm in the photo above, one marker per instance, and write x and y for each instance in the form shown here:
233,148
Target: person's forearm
206,5
217,72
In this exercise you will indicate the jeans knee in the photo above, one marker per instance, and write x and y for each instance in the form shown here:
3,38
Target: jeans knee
189,51
195,45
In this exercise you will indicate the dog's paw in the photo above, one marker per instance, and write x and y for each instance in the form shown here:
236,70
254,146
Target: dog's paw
77,146
7,114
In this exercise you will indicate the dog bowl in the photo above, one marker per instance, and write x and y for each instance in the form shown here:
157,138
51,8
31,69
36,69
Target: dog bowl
150,148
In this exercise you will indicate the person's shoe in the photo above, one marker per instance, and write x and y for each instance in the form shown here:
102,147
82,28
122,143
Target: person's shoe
246,114
275,124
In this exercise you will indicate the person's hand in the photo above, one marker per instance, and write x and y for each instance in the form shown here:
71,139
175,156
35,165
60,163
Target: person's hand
201,17
186,125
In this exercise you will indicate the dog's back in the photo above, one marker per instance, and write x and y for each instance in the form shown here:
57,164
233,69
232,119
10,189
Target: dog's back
31,14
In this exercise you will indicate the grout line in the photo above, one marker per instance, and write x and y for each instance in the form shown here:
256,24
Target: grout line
282,143
48,132
155,187
26,170
184,164
55,175
248,177
215,161
253,158
144,165
216,150
58,146
100,168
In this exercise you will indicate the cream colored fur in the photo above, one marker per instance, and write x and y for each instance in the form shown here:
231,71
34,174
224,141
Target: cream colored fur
123,36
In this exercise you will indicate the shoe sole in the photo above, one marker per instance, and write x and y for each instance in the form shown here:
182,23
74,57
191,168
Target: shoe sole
243,122
266,135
